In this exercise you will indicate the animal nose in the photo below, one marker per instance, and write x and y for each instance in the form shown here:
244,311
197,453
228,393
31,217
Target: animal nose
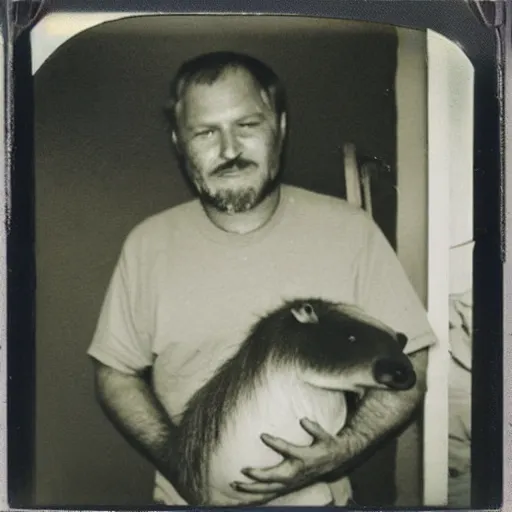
395,374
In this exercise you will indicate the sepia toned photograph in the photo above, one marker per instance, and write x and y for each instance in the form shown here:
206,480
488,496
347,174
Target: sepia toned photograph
253,251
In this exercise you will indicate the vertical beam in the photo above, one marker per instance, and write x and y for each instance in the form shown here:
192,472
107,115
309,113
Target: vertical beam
412,219
450,141
435,432
411,154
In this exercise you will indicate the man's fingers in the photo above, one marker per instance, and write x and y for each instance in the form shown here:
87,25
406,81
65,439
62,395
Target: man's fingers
252,498
279,474
313,428
282,447
263,475
258,488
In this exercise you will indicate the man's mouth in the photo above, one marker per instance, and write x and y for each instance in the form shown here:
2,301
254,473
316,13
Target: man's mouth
231,170
228,172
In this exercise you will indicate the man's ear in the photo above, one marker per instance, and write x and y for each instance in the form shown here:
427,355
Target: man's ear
175,141
282,129
282,124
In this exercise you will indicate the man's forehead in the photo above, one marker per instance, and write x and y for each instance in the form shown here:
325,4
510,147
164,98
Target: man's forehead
233,86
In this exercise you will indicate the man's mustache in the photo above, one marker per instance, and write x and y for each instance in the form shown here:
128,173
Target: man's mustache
238,163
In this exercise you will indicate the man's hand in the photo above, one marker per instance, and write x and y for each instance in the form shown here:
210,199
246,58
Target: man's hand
302,465
380,415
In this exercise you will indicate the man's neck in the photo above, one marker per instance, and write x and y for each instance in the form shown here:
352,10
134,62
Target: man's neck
245,222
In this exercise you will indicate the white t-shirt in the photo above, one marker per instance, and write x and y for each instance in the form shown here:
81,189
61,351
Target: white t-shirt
181,282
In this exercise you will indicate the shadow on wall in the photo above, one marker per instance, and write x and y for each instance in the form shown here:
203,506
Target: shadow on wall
104,163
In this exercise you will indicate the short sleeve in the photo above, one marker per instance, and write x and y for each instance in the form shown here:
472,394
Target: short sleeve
384,291
121,339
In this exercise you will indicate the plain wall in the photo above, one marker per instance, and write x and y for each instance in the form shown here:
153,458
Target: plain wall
104,163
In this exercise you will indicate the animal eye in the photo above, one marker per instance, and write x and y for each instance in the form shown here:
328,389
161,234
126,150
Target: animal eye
306,314
351,339
308,309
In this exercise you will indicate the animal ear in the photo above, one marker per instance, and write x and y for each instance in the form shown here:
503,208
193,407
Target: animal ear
305,314
402,339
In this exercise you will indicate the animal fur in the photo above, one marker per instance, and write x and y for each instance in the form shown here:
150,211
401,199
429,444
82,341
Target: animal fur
327,339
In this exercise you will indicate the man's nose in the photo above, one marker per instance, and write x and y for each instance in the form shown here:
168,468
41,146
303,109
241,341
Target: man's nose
230,146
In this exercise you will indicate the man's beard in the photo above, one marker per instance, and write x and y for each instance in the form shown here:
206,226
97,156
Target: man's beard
231,200
234,200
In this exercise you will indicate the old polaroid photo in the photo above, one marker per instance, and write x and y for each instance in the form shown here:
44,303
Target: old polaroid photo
252,264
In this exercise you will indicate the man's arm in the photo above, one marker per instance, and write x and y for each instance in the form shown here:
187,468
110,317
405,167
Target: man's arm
380,415
130,404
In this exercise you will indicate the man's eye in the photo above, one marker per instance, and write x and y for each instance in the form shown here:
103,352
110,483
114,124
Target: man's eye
204,133
251,124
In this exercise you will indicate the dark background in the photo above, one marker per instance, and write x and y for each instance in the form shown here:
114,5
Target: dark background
103,162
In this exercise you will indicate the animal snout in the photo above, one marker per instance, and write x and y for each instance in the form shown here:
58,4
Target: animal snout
395,374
